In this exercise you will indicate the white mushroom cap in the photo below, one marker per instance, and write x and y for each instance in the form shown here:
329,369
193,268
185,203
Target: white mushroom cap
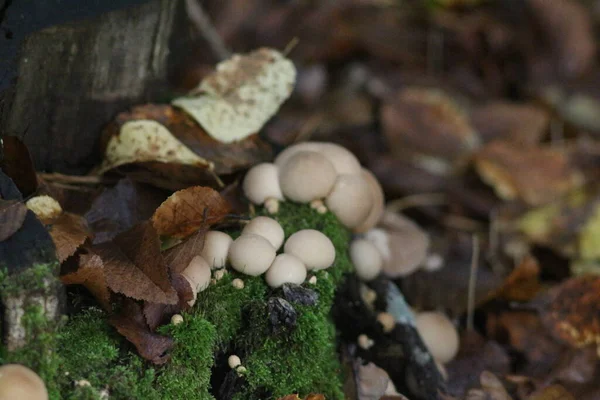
19,382
216,248
378,203
366,258
350,200
341,158
312,247
251,254
197,274
286,268
306,176
234,361
267,228
439,335
262,183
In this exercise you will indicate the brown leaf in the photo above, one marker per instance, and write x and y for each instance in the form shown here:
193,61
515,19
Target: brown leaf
12,216
158,314
523,282
179,257
89,272
553,392
68,232
134,266
130,323
522,124
188,210
15,161
535,175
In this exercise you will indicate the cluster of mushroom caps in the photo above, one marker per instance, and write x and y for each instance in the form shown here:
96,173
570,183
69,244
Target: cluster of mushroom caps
254,253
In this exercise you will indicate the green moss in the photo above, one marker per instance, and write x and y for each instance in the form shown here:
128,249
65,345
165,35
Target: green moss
38,277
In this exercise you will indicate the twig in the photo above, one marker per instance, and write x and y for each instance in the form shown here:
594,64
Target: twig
75,179
204,25
309,127
417,200
472,282
291,46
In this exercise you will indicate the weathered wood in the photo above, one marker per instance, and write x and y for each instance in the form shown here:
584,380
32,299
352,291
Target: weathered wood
72,79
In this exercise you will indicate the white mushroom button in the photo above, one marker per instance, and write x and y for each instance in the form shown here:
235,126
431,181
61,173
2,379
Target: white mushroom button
237,283
283,157
267,228
261,184
286,268
312,247
216,248
378,203
19,382
367,260
306,176
251,254
234,361
387,321
439,335
350,200
343,161
177,319
197,274
365,342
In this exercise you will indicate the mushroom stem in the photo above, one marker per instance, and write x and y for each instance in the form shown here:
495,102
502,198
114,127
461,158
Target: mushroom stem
272,205
319,206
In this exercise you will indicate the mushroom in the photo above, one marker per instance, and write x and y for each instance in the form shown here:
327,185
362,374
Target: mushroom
234,361
286,268
438,334
261,186
343,161
312,247
387,321
366,258
267,228
216,248
197,273
176,319
251,254
350,200
19,382
237,283
365,342
44,207
306,176
313,280
377,206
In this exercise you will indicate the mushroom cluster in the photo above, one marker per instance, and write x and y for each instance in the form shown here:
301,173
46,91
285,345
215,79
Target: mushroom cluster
325,175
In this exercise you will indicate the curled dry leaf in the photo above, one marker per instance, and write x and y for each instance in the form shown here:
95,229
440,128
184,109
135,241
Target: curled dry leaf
188,210
573,314
12,216
521,124
68,232
242,94
429,123
535,175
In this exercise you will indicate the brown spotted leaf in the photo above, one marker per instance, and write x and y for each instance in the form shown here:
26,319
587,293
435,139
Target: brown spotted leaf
189,210
12,216
69,232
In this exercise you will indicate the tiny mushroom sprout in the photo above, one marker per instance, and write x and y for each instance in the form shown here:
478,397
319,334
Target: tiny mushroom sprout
350,199
237,283
312,247
216,248
367,260
261,186
251,254
19,382
267,228
177,319
306,176
197,274
438,334
286,268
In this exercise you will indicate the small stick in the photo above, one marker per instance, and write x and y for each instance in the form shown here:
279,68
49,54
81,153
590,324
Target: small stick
204,25
74,179
291,46
472,282
417,200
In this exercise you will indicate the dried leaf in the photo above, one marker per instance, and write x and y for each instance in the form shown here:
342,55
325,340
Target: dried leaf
242,95
12,216
69,232
493,387
523,282
89,272
189,210
552,392
179,257
157,314
534,175
15,161
130,323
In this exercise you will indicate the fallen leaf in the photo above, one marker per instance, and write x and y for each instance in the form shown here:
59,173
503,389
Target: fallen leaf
68,232
493,388
130,323
157,314
523,282
188,210
12,216
242,94
15,161
536,175
552,392
89,272
178,257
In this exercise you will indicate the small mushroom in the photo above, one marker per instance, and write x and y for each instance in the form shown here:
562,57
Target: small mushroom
251,254
286,268
312,247
44,207
343,161
234,361
216,248
378,203
176,319
19,382
313,280
387,321
219,274
237,283
261,186
306,176
350,200
267,228
365,342
438,334
197,274
367,260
